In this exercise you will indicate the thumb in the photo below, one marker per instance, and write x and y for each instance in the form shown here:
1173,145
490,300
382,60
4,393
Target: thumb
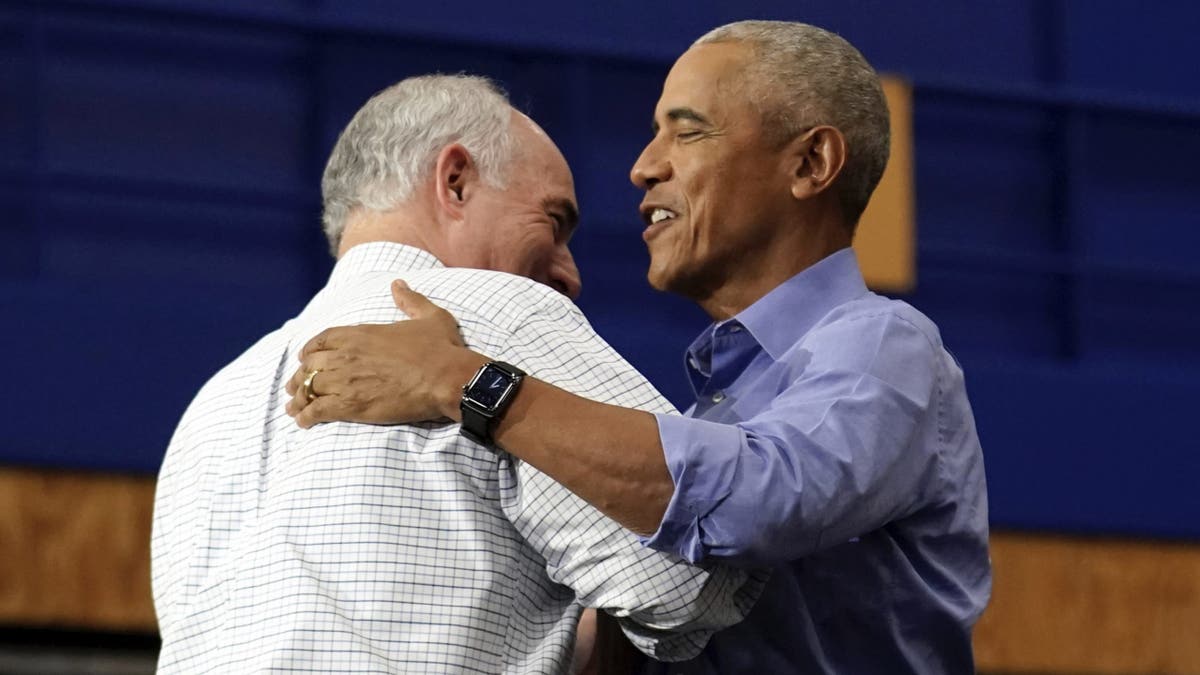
412,303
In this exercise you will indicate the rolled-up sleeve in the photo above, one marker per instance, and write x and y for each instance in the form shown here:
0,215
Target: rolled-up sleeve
827,458
702,458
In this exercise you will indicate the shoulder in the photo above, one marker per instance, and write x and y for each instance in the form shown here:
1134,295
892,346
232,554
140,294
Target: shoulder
541,331
502,302
222,392
875,335
876,314
506,301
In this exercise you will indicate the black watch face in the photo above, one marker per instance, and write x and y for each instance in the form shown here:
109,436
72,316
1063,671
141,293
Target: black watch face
489,388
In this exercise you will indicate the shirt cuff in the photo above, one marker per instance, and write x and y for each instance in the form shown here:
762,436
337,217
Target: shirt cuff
702,458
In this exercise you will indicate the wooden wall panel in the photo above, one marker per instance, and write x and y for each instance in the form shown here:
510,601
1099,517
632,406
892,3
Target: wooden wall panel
1071,605
74,550
886,240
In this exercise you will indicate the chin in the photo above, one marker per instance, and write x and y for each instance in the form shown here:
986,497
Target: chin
688,283
658,278
666,282
663,265
654,281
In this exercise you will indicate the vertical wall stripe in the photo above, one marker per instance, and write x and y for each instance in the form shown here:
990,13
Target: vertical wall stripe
886,237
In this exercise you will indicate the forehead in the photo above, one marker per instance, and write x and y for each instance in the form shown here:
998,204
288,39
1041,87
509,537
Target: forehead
706,76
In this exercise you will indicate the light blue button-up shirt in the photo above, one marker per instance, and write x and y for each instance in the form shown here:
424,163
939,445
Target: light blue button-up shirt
832,440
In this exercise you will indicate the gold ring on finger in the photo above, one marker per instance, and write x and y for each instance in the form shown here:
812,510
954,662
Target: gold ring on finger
307,388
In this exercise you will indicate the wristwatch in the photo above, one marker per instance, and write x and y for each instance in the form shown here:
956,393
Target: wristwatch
486,397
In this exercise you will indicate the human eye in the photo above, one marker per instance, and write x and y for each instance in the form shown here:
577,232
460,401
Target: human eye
558,225
562,216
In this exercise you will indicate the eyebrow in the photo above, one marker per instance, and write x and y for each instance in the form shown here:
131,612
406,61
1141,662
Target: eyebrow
677,114
566,208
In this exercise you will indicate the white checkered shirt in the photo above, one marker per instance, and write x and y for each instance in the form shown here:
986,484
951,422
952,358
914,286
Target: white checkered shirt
406,549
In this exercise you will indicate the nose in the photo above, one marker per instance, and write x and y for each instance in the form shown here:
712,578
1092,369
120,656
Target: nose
564,275
650,168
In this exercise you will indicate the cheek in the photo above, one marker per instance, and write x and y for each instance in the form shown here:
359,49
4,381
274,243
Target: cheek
723,203
534,251
704,199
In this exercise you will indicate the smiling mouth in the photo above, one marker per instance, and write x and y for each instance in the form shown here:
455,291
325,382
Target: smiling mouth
659,215
657,219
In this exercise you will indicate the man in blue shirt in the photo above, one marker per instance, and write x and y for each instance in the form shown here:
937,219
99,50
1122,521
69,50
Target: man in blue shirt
831,438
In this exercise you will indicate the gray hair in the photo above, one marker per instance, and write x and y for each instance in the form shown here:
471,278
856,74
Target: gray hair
803,76
394,139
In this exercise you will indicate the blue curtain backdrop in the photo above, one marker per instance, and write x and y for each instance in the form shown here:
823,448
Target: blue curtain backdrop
159,168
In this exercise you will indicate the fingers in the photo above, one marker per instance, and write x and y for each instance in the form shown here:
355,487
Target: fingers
296,380
319,385
328,339
322,409
308,363
295,405
326,386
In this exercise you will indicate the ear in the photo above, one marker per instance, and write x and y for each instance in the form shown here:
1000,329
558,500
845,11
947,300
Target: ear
455,178
816,158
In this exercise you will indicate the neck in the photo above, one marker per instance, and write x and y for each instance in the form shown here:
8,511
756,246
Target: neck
775,264
404,224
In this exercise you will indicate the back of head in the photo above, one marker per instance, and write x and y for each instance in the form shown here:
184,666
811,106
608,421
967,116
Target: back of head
803,76
393,141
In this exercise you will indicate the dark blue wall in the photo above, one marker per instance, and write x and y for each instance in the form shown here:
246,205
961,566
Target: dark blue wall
159,165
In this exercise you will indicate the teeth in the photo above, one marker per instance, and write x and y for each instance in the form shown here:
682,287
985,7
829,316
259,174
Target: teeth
659,215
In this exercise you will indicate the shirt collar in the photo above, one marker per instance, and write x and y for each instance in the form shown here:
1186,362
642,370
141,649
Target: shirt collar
381,256
780,318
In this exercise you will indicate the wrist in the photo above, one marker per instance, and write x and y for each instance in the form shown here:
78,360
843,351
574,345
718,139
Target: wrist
461,368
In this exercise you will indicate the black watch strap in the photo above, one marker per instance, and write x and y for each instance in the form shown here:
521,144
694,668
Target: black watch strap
475,425
487,397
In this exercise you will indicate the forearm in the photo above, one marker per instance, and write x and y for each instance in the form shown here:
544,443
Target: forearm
610,456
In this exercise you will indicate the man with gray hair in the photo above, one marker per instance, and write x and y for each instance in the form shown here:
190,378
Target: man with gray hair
356,548
831,435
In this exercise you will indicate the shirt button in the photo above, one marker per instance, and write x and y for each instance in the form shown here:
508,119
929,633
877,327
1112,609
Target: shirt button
718,397
735,328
